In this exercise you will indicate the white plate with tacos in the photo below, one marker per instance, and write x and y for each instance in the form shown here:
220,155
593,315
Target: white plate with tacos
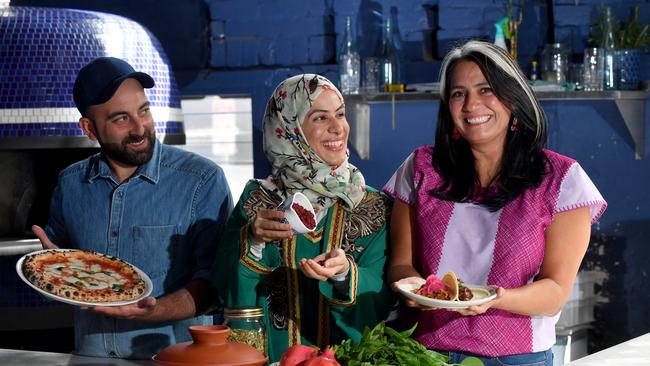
447,293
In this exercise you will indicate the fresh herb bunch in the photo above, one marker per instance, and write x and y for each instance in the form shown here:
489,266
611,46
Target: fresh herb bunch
384,346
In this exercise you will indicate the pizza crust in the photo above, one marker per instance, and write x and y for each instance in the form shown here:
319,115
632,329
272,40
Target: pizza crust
83,276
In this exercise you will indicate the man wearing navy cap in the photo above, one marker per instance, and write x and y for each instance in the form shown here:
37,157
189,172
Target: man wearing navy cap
157,207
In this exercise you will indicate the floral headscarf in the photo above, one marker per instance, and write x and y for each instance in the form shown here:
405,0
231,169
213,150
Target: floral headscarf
295,165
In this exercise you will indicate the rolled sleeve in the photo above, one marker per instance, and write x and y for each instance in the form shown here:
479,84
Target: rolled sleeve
579,191
55,228
401,185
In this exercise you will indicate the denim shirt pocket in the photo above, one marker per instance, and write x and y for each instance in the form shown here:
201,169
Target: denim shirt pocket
152,249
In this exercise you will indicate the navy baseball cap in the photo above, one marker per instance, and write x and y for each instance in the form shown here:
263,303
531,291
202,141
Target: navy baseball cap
97,82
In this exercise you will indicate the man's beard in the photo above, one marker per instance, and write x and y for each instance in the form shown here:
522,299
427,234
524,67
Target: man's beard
121,153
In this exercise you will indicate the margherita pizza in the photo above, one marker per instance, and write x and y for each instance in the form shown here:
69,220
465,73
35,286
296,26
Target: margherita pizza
83,276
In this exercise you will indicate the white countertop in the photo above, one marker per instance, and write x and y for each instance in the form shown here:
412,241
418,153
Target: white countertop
636,351
10,357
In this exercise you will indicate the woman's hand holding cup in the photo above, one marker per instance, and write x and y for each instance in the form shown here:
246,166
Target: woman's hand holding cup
269,226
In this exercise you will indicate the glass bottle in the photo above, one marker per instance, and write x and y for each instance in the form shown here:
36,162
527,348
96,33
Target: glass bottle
246,326
349,61
371,64
608,43
390,61
533,70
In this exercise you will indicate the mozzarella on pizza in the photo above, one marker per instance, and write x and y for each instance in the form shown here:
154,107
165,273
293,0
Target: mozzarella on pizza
83,276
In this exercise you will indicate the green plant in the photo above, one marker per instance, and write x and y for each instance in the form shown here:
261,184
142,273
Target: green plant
604,30
384,346
633,34
630,35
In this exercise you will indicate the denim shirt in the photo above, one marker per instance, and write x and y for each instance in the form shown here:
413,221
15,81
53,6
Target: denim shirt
166,220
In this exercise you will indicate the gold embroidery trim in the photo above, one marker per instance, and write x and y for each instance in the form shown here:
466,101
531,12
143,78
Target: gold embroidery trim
323,336
315,236
243,254
336,227
333,242
292,285
354,281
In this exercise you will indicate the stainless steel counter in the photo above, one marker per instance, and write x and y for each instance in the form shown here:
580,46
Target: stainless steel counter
630,353
10,357
19,246
633,352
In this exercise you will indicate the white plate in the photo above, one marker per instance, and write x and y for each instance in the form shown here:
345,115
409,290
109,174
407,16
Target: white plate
482,294
148,285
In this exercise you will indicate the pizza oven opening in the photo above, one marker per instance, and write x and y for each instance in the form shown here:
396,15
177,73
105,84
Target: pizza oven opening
42,50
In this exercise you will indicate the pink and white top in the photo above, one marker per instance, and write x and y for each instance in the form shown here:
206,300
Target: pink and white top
503,248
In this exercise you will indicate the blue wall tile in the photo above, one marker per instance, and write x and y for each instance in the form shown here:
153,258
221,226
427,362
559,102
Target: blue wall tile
231,9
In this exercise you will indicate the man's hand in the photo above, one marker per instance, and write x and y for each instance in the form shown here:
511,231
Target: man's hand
324,266
196,298
140,310
45,241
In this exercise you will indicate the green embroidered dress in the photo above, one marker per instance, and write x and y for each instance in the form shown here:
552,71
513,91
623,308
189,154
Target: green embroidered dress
298,309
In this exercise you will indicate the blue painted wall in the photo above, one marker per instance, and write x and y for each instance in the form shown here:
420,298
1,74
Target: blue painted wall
246,47
591,132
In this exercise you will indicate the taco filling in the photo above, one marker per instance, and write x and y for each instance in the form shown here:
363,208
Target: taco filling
448,288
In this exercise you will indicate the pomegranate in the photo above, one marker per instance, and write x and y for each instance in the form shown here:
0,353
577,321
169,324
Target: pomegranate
324,359
297,354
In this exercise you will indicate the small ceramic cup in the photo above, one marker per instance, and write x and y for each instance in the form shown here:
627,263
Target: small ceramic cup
292,217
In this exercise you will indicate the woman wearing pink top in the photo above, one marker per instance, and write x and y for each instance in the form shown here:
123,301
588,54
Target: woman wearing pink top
488,202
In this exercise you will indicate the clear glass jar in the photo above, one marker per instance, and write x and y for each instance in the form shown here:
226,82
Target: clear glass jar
555,63
246,326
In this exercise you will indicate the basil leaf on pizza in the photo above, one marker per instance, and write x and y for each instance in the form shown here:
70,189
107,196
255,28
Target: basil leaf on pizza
84,276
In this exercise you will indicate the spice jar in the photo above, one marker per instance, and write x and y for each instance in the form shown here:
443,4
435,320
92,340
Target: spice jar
246,326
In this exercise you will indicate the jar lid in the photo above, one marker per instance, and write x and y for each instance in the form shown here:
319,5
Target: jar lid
243,312
210,348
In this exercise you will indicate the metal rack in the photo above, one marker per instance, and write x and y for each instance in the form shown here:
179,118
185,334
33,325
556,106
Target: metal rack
630,104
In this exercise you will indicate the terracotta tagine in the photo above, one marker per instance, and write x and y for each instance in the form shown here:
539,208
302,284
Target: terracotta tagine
210,348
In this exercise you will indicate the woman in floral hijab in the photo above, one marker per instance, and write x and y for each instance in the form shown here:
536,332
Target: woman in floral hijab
296,166
321,287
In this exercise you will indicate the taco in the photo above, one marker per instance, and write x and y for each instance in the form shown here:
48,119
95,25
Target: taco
451,282
449,288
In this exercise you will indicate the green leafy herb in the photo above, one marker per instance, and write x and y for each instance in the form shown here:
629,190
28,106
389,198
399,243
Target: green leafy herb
384,346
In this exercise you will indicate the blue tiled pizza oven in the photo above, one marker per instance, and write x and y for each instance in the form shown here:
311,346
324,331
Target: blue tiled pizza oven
41,51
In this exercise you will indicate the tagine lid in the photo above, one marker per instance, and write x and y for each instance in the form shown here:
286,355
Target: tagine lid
210,348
